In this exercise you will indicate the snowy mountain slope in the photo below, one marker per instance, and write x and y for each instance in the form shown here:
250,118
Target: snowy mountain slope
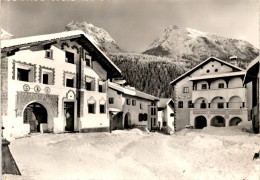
191,44
101,37
6,35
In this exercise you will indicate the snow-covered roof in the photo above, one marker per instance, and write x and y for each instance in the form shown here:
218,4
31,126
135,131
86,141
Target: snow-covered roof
201,64
213,76
31,40
163,102
131,91
252,70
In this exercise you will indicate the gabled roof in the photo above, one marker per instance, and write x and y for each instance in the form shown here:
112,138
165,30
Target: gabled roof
213,76
83,39
201,64
252,70
131,91
163,102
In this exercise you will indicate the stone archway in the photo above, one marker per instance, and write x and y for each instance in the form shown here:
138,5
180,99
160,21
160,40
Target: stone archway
218,121
234,121
200,122
35,114
127,121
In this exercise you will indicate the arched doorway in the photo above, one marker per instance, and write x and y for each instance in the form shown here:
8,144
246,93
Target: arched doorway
35,114
200,122
234,121
218,121
127,121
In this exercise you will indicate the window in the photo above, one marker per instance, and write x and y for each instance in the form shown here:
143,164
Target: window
133,102
102,108
100,88
90,84
69,82
180,104
164,123
49,54
171,115
141,117
208,71
23,74
88,60
203,105
47,76
204,86
69,57
141,107
221,85
145,117
91,108
220,105
111,100
185,89
128,101
190,105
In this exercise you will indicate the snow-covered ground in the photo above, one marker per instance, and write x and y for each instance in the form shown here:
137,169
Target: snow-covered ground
211,153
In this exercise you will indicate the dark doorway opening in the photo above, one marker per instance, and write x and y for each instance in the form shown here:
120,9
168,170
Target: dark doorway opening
200,122
69,115
35,114
127,121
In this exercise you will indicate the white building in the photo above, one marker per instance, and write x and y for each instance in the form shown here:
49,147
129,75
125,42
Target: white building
54,83
129,107
166,114
211,94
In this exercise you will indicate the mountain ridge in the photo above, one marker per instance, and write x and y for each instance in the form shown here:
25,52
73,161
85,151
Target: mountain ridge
101,37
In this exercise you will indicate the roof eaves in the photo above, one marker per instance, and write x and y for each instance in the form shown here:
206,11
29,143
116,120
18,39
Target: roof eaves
185,74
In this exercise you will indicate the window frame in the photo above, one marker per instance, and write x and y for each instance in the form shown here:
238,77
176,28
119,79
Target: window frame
94,106
185,89
220,85
133,102
204,86
128,102
111,100
67,60
180,104
104,110
222,105
50,51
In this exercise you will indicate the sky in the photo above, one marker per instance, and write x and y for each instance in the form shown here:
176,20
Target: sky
134,24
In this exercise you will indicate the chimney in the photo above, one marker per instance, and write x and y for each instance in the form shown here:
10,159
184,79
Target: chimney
233,60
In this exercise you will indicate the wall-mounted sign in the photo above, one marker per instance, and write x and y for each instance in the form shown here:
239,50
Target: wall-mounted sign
47,90
26,87
37,88
71,95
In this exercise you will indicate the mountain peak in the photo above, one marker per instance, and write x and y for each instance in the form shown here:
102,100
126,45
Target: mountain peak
191,44
100,36
6,35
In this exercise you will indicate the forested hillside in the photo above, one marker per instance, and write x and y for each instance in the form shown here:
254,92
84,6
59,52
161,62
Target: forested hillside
148,73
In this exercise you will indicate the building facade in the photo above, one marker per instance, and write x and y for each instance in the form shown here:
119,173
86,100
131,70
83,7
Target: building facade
252,78
54,83
131,108
210,94
166,114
